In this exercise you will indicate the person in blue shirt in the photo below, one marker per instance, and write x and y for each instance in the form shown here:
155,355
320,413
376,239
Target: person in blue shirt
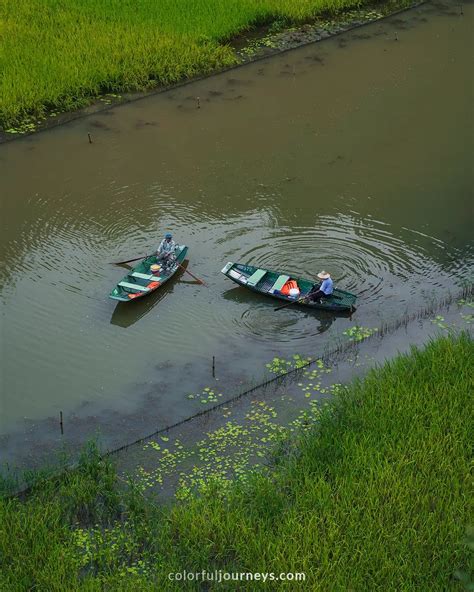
324,290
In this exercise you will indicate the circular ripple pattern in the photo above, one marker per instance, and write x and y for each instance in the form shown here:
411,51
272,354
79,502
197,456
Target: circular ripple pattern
362,255
59,277
359,254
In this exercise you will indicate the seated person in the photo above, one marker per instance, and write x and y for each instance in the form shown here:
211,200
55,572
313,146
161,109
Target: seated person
324,290
165,251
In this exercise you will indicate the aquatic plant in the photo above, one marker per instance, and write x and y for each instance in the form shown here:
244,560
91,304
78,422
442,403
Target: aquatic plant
223,454
440,322
281,366
207,395
358,333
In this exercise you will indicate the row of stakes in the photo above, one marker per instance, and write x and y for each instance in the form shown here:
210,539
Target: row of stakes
61,423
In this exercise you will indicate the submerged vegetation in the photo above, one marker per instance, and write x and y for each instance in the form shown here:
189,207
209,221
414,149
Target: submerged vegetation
59,54
374,493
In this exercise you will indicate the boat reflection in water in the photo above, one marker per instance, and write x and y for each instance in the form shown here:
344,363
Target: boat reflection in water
325,318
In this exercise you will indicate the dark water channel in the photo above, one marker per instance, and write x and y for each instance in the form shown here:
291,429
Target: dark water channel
353,155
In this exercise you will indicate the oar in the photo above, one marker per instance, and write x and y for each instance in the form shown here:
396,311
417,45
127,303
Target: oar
301,300
184,269
128,260
292,302
191,274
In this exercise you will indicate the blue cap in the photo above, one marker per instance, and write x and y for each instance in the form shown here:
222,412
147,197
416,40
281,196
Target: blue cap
168,235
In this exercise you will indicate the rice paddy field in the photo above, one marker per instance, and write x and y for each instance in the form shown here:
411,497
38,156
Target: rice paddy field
59,54
375,494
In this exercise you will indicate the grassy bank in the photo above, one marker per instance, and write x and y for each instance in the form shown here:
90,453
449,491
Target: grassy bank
376,495
58,54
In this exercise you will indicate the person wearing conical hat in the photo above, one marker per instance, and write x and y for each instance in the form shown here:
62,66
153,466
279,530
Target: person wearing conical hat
323,290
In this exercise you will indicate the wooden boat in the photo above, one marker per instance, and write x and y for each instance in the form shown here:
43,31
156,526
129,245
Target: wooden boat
140,281
270,283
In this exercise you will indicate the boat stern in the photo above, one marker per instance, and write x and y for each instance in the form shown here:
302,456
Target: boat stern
227,268
116,295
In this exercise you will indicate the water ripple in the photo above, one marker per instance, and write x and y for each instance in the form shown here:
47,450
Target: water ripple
361,254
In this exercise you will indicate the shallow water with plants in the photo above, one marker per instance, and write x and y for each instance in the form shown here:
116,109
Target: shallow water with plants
299,162
232,438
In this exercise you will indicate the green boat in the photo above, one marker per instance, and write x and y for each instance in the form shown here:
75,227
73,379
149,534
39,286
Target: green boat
140,281
270,283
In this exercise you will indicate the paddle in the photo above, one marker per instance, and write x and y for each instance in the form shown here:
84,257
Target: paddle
292,302
191,274
301,300
128,260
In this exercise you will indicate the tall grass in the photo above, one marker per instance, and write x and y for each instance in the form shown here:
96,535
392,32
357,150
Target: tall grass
60,53
377,496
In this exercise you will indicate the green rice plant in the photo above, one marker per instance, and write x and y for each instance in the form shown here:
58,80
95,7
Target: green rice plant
57,55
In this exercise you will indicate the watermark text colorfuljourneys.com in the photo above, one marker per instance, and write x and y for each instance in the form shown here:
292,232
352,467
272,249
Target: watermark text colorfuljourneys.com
228,576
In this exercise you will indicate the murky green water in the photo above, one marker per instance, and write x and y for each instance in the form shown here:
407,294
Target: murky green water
352,155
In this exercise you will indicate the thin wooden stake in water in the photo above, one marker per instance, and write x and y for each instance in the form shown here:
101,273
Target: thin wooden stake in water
198,102
61,422
213,366
90,138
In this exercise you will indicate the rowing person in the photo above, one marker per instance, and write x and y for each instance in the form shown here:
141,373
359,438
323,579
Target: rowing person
322,290
166,250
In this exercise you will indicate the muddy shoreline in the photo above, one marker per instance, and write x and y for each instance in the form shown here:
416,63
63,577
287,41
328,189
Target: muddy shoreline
253,46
